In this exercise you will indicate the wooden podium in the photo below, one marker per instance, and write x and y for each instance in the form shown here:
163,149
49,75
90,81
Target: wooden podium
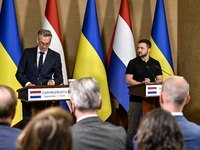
44,96
150,94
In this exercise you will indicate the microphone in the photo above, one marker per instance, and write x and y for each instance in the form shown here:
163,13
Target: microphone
162,70
150,71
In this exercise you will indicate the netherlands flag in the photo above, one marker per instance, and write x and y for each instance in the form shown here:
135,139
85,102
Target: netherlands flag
35,94
152,90
51,22
121,51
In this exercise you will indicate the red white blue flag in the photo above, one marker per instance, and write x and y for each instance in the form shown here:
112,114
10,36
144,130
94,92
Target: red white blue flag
51,22
122,50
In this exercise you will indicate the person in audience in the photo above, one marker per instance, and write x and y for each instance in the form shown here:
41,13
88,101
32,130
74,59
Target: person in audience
159,130
174,96
48,130
8,102
90,132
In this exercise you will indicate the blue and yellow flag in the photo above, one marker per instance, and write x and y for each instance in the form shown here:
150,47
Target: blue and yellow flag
90,60
10,51
160,49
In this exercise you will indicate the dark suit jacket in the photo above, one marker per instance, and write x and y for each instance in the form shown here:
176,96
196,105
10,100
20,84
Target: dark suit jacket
191,133
92,134
27,68
8,137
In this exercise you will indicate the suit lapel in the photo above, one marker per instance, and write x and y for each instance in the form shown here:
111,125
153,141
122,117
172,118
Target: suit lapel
34,58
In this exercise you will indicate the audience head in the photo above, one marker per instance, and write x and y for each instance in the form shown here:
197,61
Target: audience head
159,130
174,94
48,130
85,95
8,102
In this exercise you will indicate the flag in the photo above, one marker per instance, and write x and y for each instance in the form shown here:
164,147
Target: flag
10,51
51,22
90,60
160,49
121,51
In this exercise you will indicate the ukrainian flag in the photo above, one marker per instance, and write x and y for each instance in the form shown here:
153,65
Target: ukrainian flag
90,60
160,49
10,51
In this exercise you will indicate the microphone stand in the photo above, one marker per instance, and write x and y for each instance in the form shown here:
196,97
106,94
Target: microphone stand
163,70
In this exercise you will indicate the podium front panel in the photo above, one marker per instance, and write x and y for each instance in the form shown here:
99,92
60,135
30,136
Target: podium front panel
46,94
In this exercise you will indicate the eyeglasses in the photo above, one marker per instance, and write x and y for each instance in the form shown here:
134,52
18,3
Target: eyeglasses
44,44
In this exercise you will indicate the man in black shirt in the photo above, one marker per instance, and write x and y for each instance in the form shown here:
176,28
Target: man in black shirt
142,69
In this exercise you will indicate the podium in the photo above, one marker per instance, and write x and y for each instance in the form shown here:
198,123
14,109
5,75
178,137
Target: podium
43,96
149,92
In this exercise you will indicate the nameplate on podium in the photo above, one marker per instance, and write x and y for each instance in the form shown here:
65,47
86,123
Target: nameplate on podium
44,93
48,94
153,90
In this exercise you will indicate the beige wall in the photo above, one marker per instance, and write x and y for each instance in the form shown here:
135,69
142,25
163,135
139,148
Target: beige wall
183,18
188,53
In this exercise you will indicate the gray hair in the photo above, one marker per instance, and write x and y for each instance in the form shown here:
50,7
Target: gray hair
176,89
85,94
8,101
44,33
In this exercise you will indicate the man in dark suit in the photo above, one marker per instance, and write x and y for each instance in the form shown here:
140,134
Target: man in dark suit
90,132
39,66
174,95
8,102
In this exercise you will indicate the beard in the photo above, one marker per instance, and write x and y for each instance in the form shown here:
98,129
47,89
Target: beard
144,55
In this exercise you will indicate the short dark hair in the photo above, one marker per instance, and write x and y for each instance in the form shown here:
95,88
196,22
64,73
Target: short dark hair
148,43
8,101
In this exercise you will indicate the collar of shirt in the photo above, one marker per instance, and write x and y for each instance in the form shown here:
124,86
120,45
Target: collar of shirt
86,116
177,113
38,51
38,55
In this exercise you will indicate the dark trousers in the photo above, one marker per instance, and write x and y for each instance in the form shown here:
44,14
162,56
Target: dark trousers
26,111
134,115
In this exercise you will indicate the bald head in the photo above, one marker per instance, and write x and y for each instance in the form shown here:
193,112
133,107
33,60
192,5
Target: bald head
8,102
175,91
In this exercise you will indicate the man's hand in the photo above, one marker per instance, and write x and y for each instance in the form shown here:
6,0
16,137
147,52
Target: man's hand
30,84
146,80
50,82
